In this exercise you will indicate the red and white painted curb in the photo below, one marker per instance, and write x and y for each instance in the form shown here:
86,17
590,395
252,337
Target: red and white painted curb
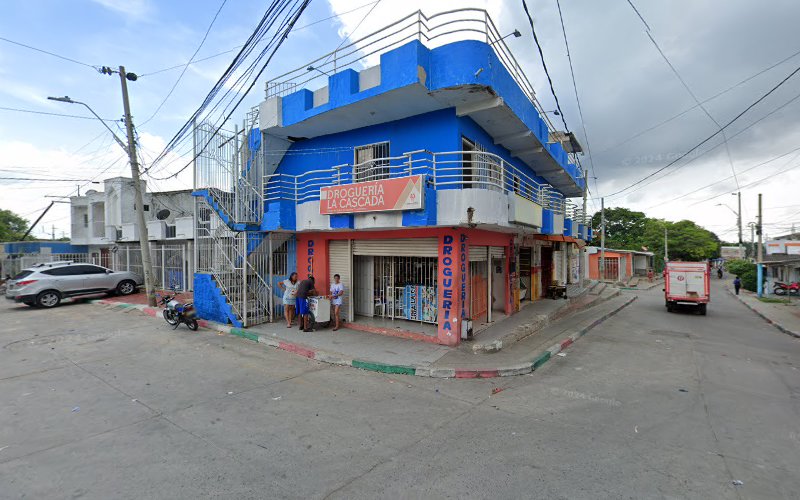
437,372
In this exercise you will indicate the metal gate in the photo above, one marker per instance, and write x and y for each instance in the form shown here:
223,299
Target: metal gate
171,264
611,269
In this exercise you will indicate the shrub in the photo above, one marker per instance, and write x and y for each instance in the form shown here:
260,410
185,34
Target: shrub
746,271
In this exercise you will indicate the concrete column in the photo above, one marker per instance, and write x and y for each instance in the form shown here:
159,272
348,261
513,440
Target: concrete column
452,285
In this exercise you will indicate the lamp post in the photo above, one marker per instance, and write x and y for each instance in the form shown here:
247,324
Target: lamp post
130,149
738,215
515,33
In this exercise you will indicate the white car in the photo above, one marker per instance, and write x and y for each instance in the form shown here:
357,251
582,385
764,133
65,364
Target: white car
45,285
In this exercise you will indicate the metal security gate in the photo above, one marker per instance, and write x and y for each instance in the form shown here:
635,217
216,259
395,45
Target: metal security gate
396,279
611,269
340,262
171,264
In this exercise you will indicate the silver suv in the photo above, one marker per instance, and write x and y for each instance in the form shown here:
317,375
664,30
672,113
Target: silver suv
45,285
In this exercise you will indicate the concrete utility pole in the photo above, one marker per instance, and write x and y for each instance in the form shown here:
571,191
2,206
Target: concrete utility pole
581,252
752,238
760,257
602,239
666,245
144,240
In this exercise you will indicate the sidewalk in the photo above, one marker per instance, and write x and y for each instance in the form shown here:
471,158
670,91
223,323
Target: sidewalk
396,355
784,317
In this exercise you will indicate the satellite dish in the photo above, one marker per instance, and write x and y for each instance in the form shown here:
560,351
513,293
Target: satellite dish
162,214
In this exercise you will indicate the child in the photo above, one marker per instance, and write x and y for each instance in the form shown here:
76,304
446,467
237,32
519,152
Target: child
737,284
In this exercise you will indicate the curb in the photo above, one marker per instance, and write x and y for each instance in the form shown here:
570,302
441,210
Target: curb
778,326
337,359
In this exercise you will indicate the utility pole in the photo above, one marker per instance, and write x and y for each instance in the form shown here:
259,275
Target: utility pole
759,265
581,252
144,240
666,246
752,239
739,221
602,239
53,232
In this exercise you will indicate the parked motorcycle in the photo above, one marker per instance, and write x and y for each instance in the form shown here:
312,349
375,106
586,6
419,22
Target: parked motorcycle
176,313
784,289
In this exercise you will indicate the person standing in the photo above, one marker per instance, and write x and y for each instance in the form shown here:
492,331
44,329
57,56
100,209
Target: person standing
304,290
737,284
289,287
337,292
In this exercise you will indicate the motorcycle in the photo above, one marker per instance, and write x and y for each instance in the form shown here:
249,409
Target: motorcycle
176,313
784,289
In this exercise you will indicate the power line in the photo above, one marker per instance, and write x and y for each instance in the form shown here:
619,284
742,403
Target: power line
544,65
748,108
743,130
265,25
19,110
43,179
686,86
729,177
757,181
49,53
577,100
349,35
240,46
186,66
704,101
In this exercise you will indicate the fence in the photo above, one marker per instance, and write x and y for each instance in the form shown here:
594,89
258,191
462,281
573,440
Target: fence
12,264
171,264
443,170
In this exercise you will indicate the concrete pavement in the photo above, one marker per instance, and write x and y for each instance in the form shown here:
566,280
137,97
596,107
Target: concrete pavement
100,404
784,317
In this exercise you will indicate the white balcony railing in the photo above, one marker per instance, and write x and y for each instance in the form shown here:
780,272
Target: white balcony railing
434,30
441,170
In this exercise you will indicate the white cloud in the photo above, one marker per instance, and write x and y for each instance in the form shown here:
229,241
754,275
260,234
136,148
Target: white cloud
134,9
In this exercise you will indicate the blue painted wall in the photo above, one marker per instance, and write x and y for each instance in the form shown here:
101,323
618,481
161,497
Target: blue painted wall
451,65
209,302
36,247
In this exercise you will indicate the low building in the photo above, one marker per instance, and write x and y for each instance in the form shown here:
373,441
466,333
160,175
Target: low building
15,256
105,223
620,265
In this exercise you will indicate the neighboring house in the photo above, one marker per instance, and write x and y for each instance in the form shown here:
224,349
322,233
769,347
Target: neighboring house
105,222
620,265
432,182
782,260
15,256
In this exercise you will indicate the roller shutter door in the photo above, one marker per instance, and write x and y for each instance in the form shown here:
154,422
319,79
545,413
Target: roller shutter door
411,247
341,263
497,252
477,254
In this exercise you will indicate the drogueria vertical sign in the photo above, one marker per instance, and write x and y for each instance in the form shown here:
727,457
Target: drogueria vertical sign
402,193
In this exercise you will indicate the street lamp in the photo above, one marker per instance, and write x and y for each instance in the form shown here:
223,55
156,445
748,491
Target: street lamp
516,34
67,99
312,68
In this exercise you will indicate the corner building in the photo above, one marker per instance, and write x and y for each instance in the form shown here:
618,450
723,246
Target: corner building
431,181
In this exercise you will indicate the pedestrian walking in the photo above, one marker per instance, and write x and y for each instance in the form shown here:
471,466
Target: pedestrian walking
737,284
304,290
719,272
337,292
289,287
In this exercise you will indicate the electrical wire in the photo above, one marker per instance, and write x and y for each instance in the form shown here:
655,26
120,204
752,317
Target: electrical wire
240,46
544,65
754,123
19,110
186,66
707,100
43,179
49,53
349,35
748,108
578,100
269,19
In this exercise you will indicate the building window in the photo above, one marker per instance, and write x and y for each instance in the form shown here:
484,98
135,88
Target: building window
171,231
85,220
147,208
481,170
371,162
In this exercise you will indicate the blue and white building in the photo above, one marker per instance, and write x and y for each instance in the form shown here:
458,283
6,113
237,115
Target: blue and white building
429,178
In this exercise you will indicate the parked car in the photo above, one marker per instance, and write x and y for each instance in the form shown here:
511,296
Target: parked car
45,285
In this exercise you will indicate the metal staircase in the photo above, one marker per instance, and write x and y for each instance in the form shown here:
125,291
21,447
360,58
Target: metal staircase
229,207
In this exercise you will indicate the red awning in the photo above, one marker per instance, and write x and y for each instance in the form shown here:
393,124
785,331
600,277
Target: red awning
559,237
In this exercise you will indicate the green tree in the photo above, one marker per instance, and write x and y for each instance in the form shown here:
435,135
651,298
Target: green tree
624,228
12,226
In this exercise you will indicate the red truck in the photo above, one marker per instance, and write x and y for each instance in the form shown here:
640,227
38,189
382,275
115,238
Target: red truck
687,283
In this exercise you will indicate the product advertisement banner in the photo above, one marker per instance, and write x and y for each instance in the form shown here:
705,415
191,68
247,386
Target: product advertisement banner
402,193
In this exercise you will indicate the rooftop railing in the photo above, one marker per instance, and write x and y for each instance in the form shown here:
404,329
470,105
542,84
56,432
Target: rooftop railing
441,170
434,30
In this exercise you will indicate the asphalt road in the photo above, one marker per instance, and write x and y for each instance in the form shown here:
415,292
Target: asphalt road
99,404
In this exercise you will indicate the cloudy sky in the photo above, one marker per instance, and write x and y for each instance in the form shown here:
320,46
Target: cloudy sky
638,115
